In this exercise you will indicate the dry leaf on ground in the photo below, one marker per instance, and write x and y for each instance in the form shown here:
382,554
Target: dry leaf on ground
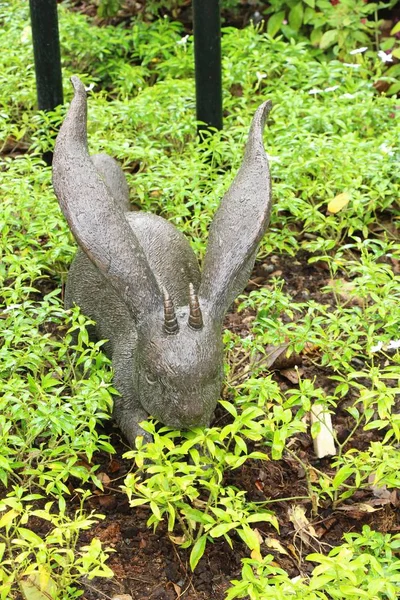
301,524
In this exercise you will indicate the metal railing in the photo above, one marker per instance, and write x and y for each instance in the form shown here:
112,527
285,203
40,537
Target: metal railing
46,50
207,48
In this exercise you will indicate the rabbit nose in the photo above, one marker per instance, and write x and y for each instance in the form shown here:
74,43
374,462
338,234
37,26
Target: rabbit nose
193,415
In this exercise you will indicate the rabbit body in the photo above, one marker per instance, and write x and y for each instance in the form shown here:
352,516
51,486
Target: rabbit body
137,277
177,378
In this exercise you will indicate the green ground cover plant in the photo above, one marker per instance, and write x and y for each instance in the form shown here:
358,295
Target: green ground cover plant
369,552
333,146
335,27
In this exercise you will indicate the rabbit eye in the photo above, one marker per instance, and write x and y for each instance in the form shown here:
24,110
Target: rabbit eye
150,379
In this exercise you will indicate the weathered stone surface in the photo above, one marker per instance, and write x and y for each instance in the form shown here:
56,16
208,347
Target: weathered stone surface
133,272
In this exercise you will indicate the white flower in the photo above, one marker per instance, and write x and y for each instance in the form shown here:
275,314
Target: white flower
385,58
26,35
248,338
328,89
377,348
89,87
393,345
352,65
11,307
386,149
359,50
183,40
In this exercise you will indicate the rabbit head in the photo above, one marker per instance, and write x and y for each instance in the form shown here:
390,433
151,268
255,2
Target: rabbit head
180,367
175,366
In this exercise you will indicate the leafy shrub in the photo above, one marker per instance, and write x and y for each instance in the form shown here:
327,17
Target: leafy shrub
365,566
50,565
341,24
183,482
154,8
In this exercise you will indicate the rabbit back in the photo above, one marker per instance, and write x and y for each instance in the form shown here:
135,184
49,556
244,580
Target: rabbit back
169,255
170,258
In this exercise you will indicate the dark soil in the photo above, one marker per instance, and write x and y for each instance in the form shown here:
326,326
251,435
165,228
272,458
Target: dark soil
240,16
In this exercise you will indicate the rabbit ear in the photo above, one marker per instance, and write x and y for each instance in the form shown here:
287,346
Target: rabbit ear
238,225
114,178
96,220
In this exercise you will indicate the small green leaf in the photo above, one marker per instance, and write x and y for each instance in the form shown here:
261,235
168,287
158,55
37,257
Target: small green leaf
228,406
221,529
43,514
296,16
315,429
341,476
328,39
241,444
275,22
197,551
171,516
354,412
395,29
258,455
198,516
30,536
394,88
249,537
267,517
316,36
155,510
39,587
8,517
308,16
5,464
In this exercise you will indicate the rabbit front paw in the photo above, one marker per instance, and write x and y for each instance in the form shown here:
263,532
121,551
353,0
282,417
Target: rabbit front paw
128,422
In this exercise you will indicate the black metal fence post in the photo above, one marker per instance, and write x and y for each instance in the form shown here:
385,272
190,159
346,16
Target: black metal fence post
46,49
207,53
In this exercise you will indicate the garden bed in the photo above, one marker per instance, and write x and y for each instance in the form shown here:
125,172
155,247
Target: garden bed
318,324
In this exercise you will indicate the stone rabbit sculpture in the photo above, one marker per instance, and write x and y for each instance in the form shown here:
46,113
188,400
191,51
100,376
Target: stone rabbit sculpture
137,277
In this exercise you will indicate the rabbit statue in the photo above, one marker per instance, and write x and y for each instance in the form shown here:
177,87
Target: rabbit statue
137,277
